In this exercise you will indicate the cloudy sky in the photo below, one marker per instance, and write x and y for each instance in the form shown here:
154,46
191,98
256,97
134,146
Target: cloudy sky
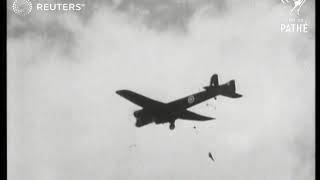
65,121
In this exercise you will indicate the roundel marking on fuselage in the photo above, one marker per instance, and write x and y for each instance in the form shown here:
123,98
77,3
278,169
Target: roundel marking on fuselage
191,99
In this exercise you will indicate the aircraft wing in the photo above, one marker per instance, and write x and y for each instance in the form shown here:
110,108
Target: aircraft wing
138,99
188,115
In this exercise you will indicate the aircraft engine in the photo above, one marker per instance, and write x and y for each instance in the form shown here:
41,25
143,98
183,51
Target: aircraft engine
138,114
142,118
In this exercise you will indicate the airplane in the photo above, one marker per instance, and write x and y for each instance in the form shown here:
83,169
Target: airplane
159,112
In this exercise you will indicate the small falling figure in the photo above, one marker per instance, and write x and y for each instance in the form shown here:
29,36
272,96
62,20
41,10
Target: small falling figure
210,156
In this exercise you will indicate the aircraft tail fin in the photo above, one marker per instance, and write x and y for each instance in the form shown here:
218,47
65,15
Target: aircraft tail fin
214,81
230,90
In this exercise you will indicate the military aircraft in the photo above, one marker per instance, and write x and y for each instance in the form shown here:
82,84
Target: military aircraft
159,112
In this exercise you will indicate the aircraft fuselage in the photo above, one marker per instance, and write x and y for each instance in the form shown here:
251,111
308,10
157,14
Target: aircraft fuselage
158,112
169,112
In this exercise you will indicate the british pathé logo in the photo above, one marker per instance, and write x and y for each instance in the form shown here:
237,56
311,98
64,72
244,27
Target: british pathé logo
22,7
295,23
297,4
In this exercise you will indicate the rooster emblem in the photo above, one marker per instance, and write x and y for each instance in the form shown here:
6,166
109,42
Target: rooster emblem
297,4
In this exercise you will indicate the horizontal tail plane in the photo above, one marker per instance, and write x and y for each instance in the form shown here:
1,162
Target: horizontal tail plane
228,89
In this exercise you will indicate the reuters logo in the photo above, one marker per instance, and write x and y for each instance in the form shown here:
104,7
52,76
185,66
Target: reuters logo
22,7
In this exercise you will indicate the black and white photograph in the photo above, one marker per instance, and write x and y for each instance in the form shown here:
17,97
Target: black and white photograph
160,89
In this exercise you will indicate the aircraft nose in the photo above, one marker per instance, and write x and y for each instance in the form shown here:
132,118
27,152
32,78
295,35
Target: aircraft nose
121,92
